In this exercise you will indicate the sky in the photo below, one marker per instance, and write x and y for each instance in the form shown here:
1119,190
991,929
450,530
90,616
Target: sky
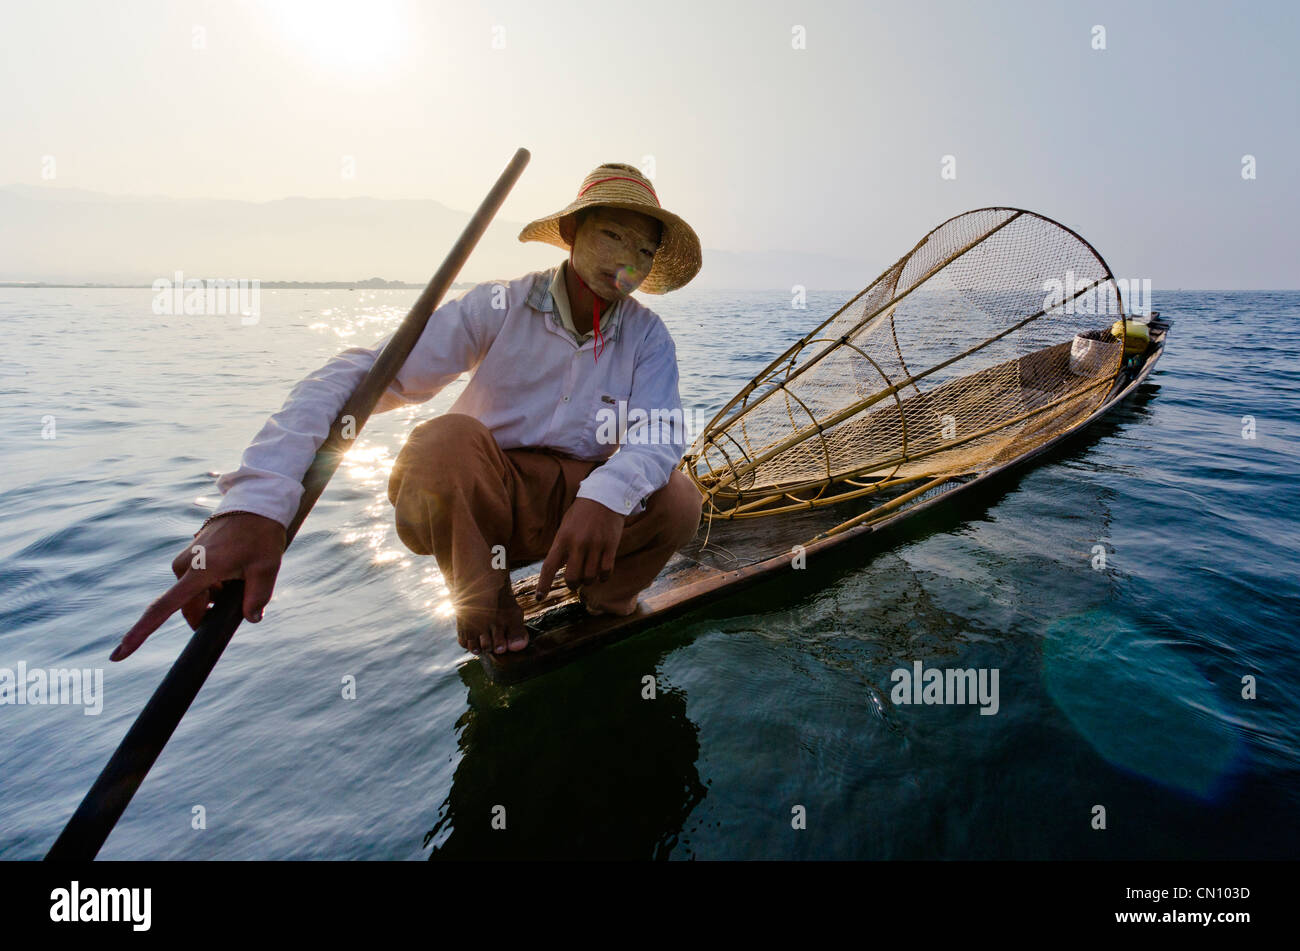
811,127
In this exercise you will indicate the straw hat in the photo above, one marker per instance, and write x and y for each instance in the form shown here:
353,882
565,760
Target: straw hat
615,185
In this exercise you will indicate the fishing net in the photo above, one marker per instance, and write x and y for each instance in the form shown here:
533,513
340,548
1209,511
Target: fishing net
989,337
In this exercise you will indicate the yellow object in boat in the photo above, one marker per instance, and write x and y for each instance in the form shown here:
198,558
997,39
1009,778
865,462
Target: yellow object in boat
1136,336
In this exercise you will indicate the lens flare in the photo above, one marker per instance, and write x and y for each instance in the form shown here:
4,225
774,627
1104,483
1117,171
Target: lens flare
1140,702
627,279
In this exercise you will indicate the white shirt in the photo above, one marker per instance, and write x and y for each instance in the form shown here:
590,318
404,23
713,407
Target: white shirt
560,292
531,383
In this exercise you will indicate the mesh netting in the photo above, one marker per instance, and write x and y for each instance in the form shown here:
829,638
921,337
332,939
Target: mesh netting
987,338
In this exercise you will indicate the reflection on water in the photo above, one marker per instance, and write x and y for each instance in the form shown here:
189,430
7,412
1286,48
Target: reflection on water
584,765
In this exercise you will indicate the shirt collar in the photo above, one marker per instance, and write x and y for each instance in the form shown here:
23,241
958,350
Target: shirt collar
550,296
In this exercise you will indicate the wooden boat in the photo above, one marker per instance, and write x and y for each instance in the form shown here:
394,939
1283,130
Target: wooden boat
737,555
884,411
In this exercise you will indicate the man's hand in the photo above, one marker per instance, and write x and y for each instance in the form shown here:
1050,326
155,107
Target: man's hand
585,544
242,545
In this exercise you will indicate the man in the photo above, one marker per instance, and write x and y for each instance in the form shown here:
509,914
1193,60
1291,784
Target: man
523,466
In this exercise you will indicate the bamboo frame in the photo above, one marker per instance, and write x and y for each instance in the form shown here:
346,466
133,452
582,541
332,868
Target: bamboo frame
723,487
879,511
856,407
891,303
734,512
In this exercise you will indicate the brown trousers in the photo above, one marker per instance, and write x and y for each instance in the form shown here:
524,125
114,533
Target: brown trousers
458,496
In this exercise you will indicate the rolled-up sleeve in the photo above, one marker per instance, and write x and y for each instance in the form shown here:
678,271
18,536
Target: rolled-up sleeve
268,481
656,433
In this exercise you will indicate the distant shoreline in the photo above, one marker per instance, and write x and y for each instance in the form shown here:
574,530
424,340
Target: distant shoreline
370,285
367,285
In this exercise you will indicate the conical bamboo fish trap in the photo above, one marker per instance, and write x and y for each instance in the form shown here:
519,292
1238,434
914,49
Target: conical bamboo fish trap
989,337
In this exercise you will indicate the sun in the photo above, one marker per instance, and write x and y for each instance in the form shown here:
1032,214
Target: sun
352,34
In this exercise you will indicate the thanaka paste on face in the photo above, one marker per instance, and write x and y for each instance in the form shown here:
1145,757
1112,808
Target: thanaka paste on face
611,241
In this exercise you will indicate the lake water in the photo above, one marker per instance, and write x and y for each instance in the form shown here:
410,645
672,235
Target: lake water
1120,688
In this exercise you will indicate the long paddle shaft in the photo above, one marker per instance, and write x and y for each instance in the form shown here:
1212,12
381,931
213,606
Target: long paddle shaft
94,819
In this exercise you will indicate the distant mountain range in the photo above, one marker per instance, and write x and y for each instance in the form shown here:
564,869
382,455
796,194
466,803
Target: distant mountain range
370,283
69,236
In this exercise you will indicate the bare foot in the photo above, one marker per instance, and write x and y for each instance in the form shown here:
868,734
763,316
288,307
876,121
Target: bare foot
621,608
498,630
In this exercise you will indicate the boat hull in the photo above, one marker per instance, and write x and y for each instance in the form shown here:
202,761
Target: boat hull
729,556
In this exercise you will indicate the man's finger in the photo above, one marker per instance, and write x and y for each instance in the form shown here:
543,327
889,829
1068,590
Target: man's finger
194,609
259,582
158,612
591,565
576,569
607,564
554,558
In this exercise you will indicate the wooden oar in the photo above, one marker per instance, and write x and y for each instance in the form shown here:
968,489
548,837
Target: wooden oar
94,819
